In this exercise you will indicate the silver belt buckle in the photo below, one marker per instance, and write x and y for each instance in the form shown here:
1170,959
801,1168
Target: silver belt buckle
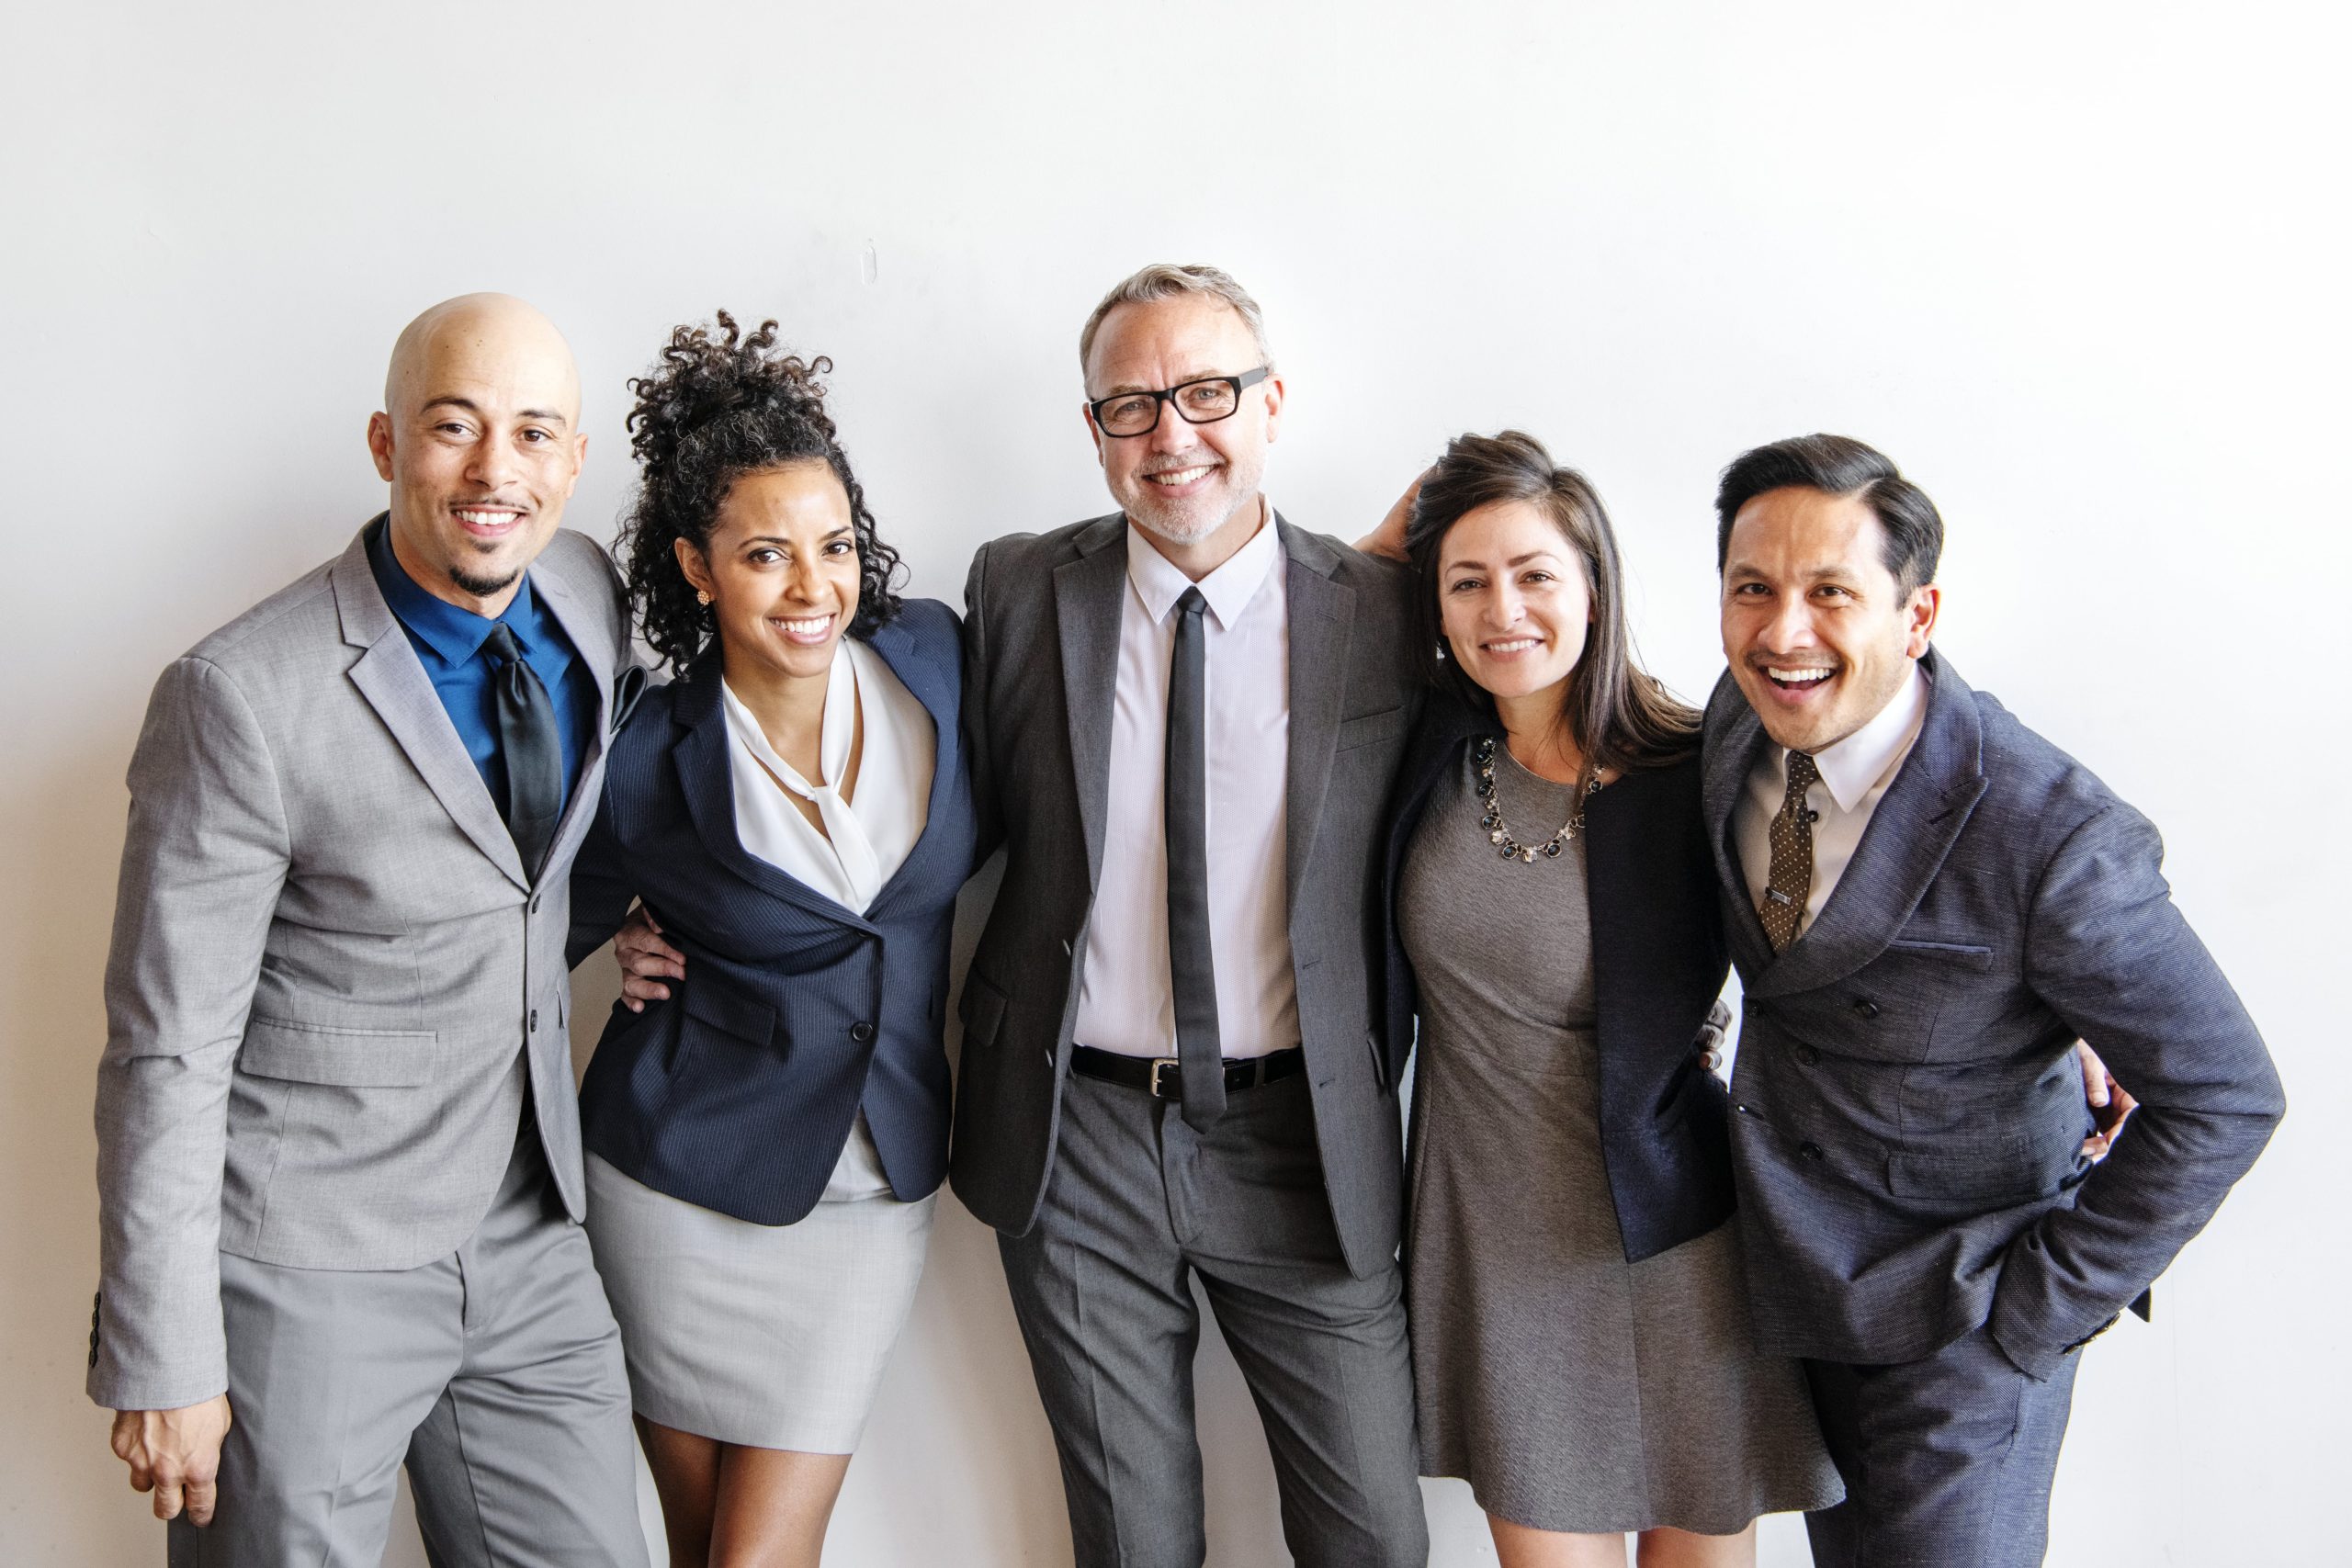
1157,1065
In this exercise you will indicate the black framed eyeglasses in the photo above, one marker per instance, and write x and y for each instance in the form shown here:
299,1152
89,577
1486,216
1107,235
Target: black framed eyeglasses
1204,402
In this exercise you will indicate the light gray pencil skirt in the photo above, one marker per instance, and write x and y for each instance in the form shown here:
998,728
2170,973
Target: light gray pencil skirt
773,1336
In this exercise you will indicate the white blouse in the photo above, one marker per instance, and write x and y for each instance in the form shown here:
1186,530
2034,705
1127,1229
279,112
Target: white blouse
866,838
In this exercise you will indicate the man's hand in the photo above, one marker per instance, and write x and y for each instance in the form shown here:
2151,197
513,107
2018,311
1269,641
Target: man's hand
646,960
2109,1101
1712,1035
176,1455
1388,539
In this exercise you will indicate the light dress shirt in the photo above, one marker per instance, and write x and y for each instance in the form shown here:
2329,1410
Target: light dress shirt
1855,773
1124,1002
867,837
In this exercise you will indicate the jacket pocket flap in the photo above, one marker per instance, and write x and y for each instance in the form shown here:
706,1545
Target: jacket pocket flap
355,1058
729,1012
1365,728
2012,1172
982,1008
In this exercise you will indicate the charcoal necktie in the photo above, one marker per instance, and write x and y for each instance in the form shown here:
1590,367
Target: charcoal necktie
1789,884
530,748
1192,972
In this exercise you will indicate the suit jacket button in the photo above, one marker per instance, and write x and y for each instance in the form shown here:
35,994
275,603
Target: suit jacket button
535,903
1809,1150
535,1019
1865,1007
1808,1055
861,1033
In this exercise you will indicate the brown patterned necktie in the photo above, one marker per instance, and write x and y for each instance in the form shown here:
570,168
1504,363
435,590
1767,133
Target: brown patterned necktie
1789,887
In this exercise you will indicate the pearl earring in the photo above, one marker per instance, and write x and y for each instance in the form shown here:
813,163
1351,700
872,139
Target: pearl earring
701,595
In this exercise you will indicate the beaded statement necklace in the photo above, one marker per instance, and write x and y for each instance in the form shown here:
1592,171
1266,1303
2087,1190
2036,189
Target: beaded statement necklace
1498,831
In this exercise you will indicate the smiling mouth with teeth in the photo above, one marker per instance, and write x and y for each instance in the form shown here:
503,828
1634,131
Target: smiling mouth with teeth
803,626
498,518
1179,476
1795,679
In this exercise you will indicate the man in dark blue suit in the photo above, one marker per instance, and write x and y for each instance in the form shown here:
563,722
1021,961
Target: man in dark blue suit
1927,903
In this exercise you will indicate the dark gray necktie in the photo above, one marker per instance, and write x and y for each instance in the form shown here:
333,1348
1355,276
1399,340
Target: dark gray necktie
1192,972
529,746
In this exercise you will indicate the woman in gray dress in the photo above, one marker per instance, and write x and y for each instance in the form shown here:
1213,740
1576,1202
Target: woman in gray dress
1582,1348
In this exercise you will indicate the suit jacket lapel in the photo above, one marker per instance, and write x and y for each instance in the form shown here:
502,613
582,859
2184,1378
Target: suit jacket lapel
1089,597
707,781
935,688
1916,824
390,678
1733,739
1322,620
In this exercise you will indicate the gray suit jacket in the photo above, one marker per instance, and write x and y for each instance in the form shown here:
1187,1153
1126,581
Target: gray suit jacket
1907,1112
331,980
1041,640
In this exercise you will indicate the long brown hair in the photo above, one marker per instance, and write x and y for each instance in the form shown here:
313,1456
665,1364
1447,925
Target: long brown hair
1620,715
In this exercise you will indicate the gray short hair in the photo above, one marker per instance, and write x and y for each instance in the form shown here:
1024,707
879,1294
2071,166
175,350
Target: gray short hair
1162,280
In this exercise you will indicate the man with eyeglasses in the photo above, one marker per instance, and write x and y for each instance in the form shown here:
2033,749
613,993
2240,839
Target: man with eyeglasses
1182,719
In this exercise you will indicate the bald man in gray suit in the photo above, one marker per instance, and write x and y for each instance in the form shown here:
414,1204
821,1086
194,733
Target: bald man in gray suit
338,1154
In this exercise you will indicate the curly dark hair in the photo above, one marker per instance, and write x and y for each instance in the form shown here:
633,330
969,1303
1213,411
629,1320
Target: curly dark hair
720,405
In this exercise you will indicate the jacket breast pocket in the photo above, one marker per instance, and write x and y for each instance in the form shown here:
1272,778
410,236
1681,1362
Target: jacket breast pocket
349,1058
1364,730
1974,957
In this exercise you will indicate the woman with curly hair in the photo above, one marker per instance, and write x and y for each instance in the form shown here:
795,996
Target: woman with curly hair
767,1123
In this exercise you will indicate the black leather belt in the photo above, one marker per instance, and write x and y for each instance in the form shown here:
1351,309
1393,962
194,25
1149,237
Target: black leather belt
1161,1078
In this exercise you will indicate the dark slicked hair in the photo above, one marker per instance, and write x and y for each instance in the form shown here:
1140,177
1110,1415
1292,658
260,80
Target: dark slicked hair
720,407
1620,716
1839,465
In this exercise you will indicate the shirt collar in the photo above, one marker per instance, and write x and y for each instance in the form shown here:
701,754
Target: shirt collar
1862,762
1160,582
454,632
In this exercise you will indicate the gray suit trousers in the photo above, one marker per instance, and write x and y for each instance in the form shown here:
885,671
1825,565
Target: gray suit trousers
495,1373
1136,1204
1948,1459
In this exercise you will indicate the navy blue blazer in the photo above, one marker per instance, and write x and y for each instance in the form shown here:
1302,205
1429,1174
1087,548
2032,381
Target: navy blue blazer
738,1092
1658,963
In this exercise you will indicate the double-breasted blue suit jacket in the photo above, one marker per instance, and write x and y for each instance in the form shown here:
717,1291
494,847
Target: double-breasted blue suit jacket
1907,1114
738,1092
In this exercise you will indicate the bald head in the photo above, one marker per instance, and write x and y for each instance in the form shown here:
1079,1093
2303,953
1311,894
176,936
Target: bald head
465,332
479,439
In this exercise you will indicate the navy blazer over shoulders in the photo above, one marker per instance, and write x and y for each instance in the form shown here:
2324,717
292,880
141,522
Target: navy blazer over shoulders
1658,962
738,1092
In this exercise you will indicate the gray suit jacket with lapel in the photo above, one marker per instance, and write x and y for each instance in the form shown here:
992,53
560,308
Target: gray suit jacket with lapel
1041,642
1907,1114
331,980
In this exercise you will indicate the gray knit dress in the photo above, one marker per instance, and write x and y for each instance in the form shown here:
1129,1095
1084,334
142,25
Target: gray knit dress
1573,1389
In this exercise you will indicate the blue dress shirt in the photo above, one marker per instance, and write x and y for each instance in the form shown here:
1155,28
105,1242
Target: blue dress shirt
449,641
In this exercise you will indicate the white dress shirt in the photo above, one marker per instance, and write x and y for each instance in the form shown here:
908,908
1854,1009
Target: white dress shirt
866,840
1125,1003
1855,773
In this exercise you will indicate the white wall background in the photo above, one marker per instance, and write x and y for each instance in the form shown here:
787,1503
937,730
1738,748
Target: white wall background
2079,266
